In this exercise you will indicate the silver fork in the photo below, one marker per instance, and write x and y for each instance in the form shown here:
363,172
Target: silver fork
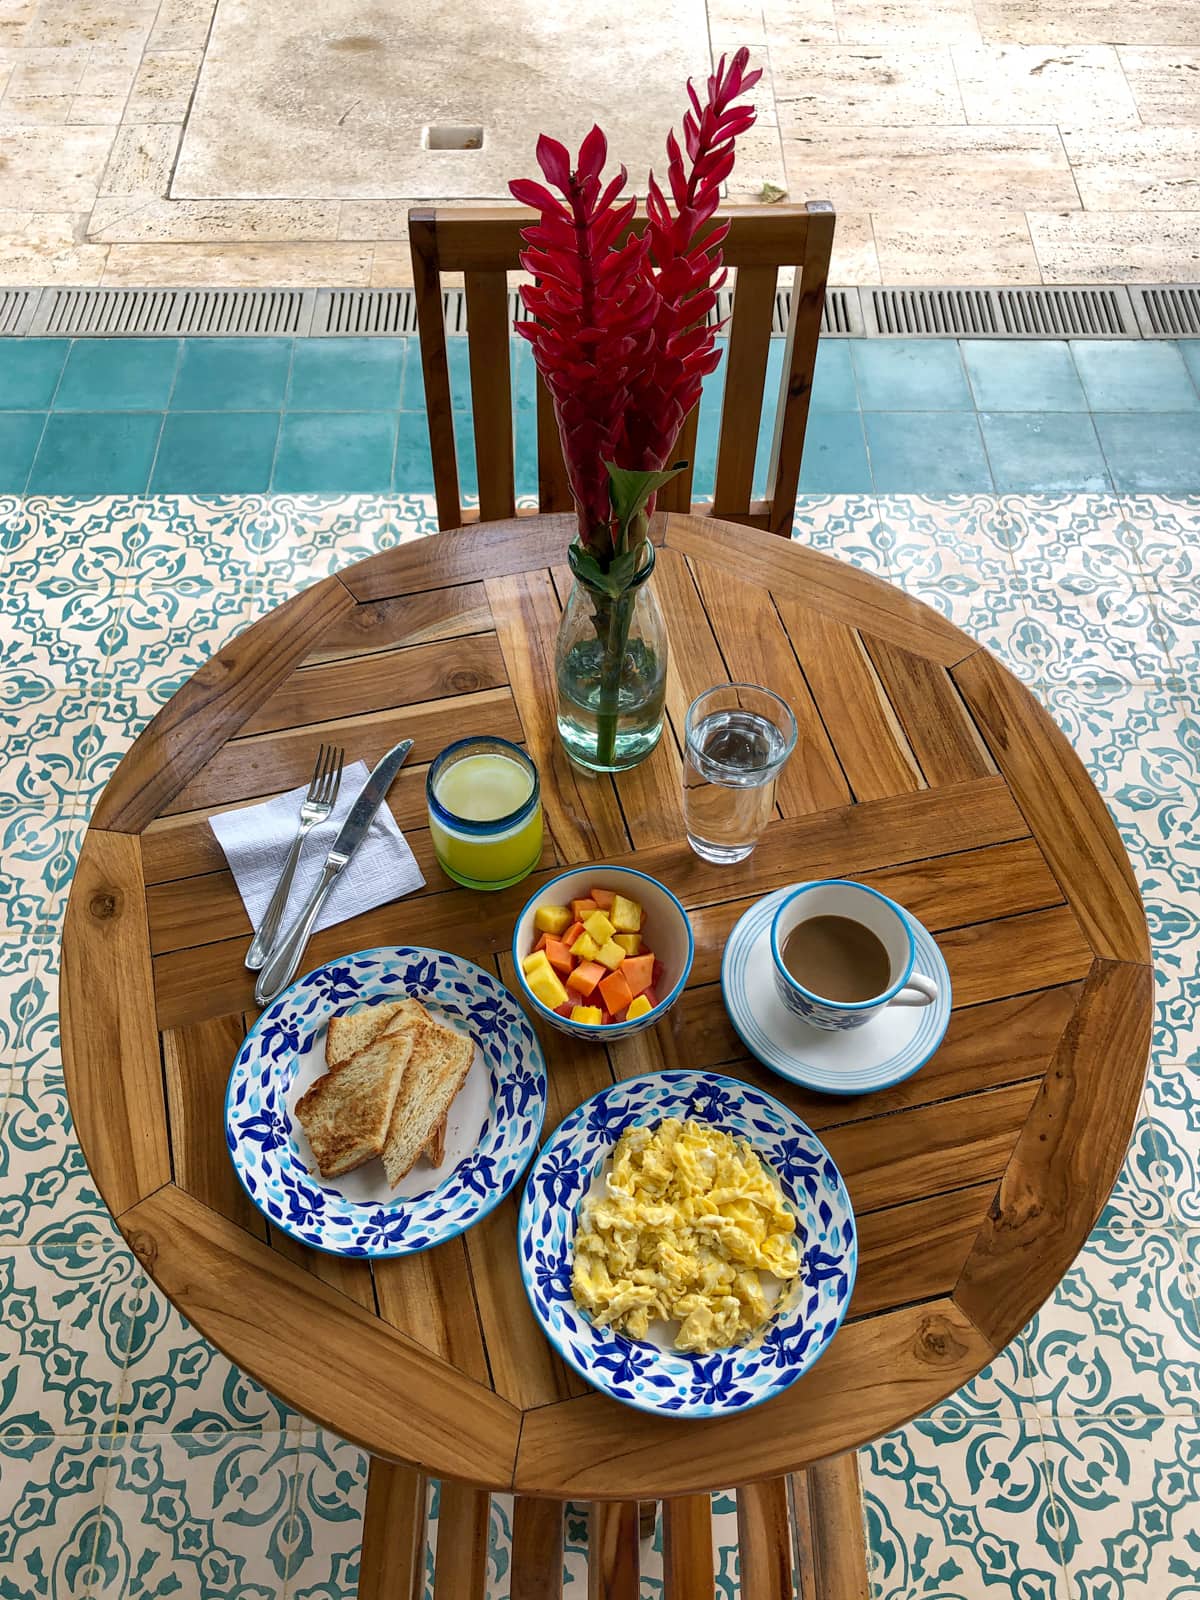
315,807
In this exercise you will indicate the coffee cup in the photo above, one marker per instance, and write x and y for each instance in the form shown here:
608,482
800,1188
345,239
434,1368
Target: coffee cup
841,952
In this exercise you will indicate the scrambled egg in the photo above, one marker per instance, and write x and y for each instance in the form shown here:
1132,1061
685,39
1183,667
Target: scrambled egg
688,1221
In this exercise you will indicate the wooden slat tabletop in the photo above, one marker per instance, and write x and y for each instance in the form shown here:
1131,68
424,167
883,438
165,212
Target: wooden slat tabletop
923,769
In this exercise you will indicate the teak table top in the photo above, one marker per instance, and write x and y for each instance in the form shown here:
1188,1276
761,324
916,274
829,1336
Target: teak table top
922,768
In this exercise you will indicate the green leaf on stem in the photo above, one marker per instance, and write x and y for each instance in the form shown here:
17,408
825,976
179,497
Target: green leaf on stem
631,490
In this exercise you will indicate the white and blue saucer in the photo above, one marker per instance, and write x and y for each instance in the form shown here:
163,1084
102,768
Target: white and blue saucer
651,1375
492,1129
895,1043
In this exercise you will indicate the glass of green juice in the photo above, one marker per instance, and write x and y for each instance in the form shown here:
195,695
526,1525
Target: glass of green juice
485,812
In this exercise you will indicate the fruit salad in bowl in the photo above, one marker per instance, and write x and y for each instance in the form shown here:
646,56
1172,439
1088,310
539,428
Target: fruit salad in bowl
603,950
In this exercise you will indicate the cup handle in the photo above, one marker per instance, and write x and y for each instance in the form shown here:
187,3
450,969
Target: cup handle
918,991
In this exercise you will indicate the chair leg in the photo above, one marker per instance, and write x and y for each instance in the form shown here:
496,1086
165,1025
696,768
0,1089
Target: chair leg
614,1565
393,1548
687,1548
764,1540
537,1549
831,1543
460,1571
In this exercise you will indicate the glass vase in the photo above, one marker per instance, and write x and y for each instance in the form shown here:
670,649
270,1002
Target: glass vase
610,668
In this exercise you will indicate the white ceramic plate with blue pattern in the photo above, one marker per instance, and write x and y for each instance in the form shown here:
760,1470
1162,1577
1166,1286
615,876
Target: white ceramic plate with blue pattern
492,1128
651,1376
895,1043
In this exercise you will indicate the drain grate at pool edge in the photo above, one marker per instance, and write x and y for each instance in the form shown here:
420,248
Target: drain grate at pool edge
1037,312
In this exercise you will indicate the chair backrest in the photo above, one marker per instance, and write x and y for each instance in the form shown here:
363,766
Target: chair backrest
484,244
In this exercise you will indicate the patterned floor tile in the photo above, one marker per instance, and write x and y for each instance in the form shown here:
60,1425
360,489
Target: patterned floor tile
1127,1505
329,1496
1004,1389
303,538
46,1190
50,1494
38,853
66,1310
24,996
207,1515
959,1510
1173,1097
174,1381
1121,1333
845,526
1139,1199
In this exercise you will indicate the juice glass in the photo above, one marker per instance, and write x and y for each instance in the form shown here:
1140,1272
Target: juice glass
485,812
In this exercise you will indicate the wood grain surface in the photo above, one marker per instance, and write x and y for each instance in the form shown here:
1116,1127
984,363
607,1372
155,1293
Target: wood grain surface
923,770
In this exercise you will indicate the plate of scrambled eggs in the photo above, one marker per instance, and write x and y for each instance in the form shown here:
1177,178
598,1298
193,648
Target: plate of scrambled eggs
687,1244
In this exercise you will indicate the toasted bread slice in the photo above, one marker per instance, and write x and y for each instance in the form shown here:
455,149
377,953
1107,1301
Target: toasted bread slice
347,1114
438,1066
346,1035
354,1030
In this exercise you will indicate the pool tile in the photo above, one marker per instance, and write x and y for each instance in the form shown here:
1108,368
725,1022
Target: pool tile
91,452
910,375
926,452
1189,349
1158,452
232,375
1039,452
19,435
835,454
346,374
834,388
1125,375
1023,375
412,386
215,452
323,452
118,375
413,472
29,372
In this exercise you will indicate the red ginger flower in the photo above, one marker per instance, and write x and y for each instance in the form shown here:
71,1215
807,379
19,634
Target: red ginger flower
620,338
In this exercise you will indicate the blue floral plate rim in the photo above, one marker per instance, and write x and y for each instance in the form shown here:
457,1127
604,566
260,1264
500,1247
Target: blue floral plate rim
680,1089
498,1160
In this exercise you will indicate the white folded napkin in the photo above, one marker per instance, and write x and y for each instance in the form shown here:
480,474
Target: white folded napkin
256,840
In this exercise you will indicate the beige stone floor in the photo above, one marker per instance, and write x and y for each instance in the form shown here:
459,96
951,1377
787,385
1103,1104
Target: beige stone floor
1000,141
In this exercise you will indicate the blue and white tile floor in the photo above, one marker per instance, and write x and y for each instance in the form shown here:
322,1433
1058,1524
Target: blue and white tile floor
136,1463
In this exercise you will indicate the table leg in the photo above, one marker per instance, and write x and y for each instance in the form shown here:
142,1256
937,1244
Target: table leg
460,1571
687,1548
393,1548
537,1549
614,1563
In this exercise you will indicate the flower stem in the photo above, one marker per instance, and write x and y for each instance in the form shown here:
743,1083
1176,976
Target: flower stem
612,618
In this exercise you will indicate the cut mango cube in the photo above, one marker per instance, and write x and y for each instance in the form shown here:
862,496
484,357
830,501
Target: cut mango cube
631,943
586,976
638,1007
599,927
592,1015
626,915
639,972
615,992
546,984
551,919
534,960
585,947
611,954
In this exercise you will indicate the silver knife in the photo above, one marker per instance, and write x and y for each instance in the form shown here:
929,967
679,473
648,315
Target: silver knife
281,964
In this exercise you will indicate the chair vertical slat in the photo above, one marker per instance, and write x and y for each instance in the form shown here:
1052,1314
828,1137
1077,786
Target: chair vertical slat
491,392
799,362
537,1553
677,496
764,1540
687,1548
745,375
460,1571
392,1566
554,489
614,1558
427,287
834,1520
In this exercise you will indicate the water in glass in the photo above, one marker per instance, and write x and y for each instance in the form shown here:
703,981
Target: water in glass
732,760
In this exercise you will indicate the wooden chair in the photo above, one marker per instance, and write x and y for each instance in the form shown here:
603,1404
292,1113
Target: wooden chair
484,243
823,1560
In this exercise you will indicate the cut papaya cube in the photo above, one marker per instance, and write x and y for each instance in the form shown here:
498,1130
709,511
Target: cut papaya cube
638,972
585,977
602,897
615,991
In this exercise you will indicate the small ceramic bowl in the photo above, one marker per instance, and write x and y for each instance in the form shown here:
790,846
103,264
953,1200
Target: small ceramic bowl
665,926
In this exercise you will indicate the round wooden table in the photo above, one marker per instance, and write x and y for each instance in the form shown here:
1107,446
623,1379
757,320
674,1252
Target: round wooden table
922,768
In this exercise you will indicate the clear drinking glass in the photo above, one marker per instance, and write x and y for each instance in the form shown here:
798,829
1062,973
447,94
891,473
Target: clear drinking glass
738,738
